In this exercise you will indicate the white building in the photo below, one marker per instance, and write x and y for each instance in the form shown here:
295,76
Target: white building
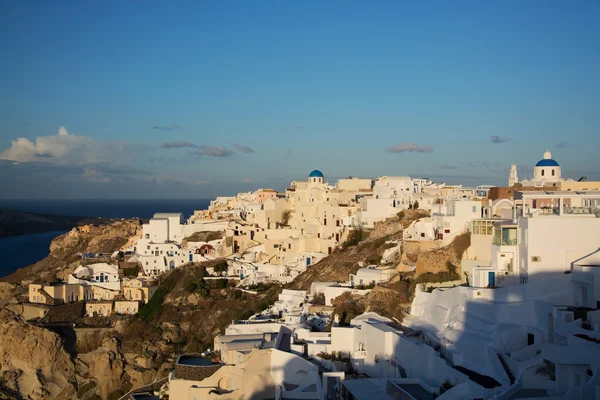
555,229
101,274
448,218
371,275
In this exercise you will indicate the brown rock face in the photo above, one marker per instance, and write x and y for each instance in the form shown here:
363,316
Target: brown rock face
105,366
33,361
435,261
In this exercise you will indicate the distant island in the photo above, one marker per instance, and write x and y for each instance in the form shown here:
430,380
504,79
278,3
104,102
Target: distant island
14,222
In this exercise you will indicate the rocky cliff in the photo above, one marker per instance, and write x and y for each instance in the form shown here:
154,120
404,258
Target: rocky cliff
66,250
436,260
34,363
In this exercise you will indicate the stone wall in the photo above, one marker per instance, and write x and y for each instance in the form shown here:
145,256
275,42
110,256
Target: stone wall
508,192
436,260
195,373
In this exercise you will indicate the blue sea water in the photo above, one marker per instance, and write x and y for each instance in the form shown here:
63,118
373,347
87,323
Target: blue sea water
23,250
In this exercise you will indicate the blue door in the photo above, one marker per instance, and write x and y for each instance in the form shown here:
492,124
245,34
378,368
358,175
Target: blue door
191,257
307,260
101,278
491,278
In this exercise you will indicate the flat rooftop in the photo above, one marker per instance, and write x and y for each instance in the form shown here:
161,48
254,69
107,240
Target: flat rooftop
382,326
416,391
367,389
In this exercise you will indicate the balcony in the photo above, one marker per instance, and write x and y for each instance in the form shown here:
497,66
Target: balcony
504,236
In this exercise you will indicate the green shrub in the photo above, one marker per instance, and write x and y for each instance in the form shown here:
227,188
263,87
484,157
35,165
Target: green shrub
347,312
151,309
429,277
374,260
202,288
354,237
191,287
401,215
131,272
319,299
451,268
221,266
261,286
218,284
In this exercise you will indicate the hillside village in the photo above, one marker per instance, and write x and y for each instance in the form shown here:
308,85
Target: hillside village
493,290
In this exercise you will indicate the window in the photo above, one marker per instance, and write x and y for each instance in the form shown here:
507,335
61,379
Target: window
474,208
552,172
543,172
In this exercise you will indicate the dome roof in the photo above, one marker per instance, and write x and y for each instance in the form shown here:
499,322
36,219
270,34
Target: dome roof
316,174
547,162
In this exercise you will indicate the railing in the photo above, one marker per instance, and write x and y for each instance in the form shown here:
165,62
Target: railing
580,210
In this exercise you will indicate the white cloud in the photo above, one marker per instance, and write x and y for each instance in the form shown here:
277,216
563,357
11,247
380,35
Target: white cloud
248,180
67,149
409,147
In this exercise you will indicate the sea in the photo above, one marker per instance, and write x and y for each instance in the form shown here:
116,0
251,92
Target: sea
23,250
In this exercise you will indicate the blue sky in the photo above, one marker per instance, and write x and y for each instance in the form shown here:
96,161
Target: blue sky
198,99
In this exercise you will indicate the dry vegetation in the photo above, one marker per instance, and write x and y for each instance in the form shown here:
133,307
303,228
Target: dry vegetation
203,237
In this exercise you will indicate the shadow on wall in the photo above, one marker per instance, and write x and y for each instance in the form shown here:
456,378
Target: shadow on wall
493,338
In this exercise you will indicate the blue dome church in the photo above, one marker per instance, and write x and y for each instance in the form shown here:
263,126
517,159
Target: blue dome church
545,173
316,176
547,169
